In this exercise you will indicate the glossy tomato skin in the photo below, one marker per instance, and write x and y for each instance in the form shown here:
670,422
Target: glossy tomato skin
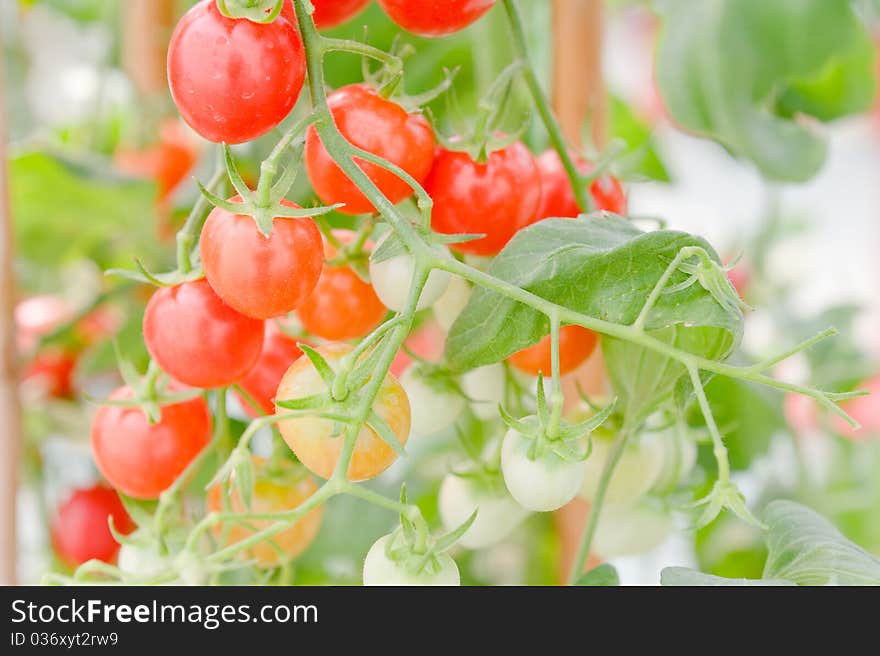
435,18
497,198
279,352
557,196
576,344
328,13
198,339
261,277
141,459
312,438
81,529
379,126
234,80
284,491
342,306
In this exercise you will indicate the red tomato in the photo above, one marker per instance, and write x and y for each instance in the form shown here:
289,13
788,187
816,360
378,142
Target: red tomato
740,278
328,13
801,413
282,491
379,126
142,459
576,344
435,17
198,339
315,440
497,198
279,352
234,80
81,529
557,196
52,371
342,306
167,161
258,276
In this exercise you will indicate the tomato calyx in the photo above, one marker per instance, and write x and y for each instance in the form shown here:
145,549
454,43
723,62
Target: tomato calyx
264,205
256,11
150,391
485,135
416,550
342,401
558,437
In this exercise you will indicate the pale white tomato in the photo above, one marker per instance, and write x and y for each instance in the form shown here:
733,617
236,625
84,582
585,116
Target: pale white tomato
380,569
392,279
452,302
497,513
484,386
433,408
630,529
546,483
636,471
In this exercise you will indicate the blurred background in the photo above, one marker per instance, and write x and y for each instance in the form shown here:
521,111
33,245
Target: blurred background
102,172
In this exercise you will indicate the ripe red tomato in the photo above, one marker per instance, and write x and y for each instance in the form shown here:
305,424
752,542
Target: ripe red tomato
557,197
198,339
328,13
342,306
258,276
279,352
379,126
314,439
167,161
51,371
279,492
497,198
576,344
234,80
142,459
865,410
435,17
81,529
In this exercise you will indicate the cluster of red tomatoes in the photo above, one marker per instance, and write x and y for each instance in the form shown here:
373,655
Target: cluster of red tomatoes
220,330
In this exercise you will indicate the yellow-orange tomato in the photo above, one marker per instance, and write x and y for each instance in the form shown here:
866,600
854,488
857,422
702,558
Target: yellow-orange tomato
317,442
277,492
576,344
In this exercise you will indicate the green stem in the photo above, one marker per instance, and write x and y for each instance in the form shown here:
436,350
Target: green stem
596,507
554,131
188,235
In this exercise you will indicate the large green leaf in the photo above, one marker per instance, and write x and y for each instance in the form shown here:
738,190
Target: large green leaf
741,71
602,266
806,548
682,576
640,159
65,209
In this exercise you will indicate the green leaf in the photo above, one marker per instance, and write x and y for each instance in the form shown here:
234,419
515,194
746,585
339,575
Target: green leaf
682,576
603,266
806,548
739,72
603,575
640,158
66,209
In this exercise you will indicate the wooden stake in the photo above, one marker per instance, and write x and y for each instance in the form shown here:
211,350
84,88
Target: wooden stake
578,98
146,32
578,90
10,409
